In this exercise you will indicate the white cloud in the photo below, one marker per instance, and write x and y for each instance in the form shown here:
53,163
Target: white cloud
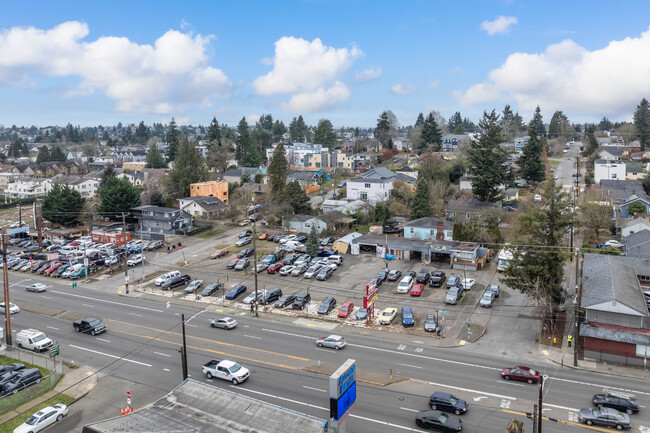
320,99
304,70
140,78
368,74
568,77
252,119
434,84
500,25
403,89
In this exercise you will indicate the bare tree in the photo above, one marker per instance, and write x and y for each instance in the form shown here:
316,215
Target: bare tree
595,211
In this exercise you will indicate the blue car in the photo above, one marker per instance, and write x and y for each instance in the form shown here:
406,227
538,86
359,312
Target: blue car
407,317
269,259
235,291
325,253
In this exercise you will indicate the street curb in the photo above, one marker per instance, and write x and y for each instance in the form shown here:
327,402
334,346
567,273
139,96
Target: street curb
609,373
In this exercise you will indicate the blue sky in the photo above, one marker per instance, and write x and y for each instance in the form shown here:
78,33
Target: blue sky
93,63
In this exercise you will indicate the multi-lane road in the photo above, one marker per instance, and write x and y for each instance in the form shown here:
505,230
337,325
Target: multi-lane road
143,339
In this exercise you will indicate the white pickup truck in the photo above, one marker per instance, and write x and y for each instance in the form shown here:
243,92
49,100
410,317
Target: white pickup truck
226,370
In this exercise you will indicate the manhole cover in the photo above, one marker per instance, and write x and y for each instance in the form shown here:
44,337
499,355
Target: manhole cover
400,398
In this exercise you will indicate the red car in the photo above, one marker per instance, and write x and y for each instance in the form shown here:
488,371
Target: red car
275,267
417,289
54,267
346,309
219,253
522,374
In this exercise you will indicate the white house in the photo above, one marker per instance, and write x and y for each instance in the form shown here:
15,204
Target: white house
608,170
371,190
88,186
27,187
634,225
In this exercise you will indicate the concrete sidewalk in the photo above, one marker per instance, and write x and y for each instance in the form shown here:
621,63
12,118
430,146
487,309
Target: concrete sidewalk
76,383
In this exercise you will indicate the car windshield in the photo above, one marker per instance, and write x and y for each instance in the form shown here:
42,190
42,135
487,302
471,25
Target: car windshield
32,420
235,368
387,313
93,322
487,296
407,315
363,310
39,337
453,400
344,308
443,418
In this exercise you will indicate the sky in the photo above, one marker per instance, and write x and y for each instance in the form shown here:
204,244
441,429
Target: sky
99,63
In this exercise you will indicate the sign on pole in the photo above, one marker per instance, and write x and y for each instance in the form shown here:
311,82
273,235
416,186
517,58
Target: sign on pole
343,393
54,350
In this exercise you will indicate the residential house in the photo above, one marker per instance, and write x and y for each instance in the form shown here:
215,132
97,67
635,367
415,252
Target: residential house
343,206
451,142
634,170
617,323
28,187
203,206
402,144
623,208
634,225
408,171
234,175
520,142
303,224
135,177
471,210
622,193
162,220
304,178
384,173
297,154
605,169
342,160
318,160
429,228
612,153
87,186
637,244
210,189
465,184
255,189
371,190
511,194
134,165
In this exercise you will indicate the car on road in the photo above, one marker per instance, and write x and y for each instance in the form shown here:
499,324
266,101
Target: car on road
454,295
407,317
494,288
224,323
614,243
219,253
487,299
13,308
521,374
326,305
430,323
43,418
361,314
467,283
235,291
345,310
251,297
232,264
193,286
387,315
405,285
604,416
312,271
176,281
436,420
334,341
624,404
324,273
286,270
243,241
210,289
246,252
423,276
261,267
448,403
437,279
274,268
394,275
417,289
284,301
300,269
242,264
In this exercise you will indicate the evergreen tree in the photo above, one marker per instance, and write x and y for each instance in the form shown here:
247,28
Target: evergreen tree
324,133
243,140
530,160
62,205
507,123
298,130
172,139
56,154
24,149
642,123
214,133
313,244
277,172
605,124
266,122
296,197
43,154
487,159
108,172
383,128
431,134
455,121
591,148
537,123
118,196
420,121
518,124
141,133
420,206
382,213
468,125
252,157
189,167
277,131
559,126
155,158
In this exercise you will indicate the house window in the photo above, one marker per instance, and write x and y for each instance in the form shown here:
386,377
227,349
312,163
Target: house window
363,195
432,232
613,175
367,185
412,230
467,215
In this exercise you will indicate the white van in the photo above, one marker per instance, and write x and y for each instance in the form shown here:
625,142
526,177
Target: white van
33,339
405,285
166,277
68,249
335,259
292,245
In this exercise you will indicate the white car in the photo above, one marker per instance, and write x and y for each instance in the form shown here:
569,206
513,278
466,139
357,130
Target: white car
251,296
286,270
224,322
17,224
13,308
405,285
468,283
135,260
43,418
613,243
111,260
261,267
287,239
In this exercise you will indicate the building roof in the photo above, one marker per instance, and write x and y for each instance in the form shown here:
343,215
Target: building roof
614,150
634,221
430,223
208,203
611,284
303,218
349,237
301,175
633,167
637,244
620,190
468,205
371,180
156,208
407,169
379,173
203,408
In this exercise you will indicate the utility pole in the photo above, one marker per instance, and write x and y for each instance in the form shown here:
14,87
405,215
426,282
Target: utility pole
20,214
540,412
126,272
184,349
39,226
255,257
5,275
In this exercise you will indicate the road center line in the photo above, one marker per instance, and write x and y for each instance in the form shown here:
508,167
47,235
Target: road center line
315,389
135,314
162,354
88,305
409,409
253,336
109,355
103,339
412,366
52,327
560,407
508,382
473,390
121,304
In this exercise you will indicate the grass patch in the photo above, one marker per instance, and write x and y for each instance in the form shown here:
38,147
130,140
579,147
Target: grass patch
10,425
361,229
180,264
554,163
209,234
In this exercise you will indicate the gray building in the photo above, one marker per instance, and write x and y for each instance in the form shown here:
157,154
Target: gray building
162,220
303,224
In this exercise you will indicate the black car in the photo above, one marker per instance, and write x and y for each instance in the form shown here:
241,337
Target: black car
437,278
246,252
423,276
270,296
447,402
327,305
382,274
377,282
327,241
624,404
284,301
11,367
235,291
290,259
176,281
300,238
302,299
411,274
210,289
245,233
436,420
22,380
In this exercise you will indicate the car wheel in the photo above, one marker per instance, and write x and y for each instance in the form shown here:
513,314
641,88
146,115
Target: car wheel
457,412
59,418
433,407
337,347
619,427
320,344
77,330
35,349
530,381
629,411
92,332
209,375
235,381
20,346
38,380
589,422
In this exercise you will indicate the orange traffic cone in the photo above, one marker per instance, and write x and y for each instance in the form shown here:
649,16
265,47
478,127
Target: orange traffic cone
122,412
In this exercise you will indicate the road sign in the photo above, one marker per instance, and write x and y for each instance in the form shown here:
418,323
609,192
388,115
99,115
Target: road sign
126,278
443,311
86,262
128,394
54,350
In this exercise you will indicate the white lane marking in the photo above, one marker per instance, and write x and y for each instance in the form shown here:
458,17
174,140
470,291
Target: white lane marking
195,314
253,336
135,314
166,369
509,382
102,339
474,391
277,397
325,350
315,389
632,391
88,305
190,325
162,354
559,407
412,366
46,297
109,355
121,304
409,409
19,282
287,333
52,327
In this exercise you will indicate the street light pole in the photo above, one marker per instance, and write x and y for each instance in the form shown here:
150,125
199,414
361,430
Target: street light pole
255,256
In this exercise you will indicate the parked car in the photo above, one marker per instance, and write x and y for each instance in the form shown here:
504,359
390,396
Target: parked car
176,281
387,316
251,297
326,305
468,283
405,285
290,259
270,258
300,269
447,402
324,273
394,275
417,289
242,264
345,309
521,374
454,295
624,404
43,418
210,289
235,291
324,253
437,279
21,380
487,299
243,241
261,267
614,243
361,314
494,288
193,286
246,252
165,277
302,299
423,276
232,264
312,271
274,268
334,341
327,241
453,281
411,274
154,245
286,270
224,323
407,317
245,233
270,296
285,300
430,323
604,416
382,274
436,420
135,260
7,368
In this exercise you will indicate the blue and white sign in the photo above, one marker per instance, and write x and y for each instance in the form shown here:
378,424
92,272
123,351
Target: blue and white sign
343,390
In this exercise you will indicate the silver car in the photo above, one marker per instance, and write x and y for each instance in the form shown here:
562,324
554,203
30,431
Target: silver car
193,286
224,323
242,264
487,299
453,295
334,341
312,271
251,296
243,241
299,270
